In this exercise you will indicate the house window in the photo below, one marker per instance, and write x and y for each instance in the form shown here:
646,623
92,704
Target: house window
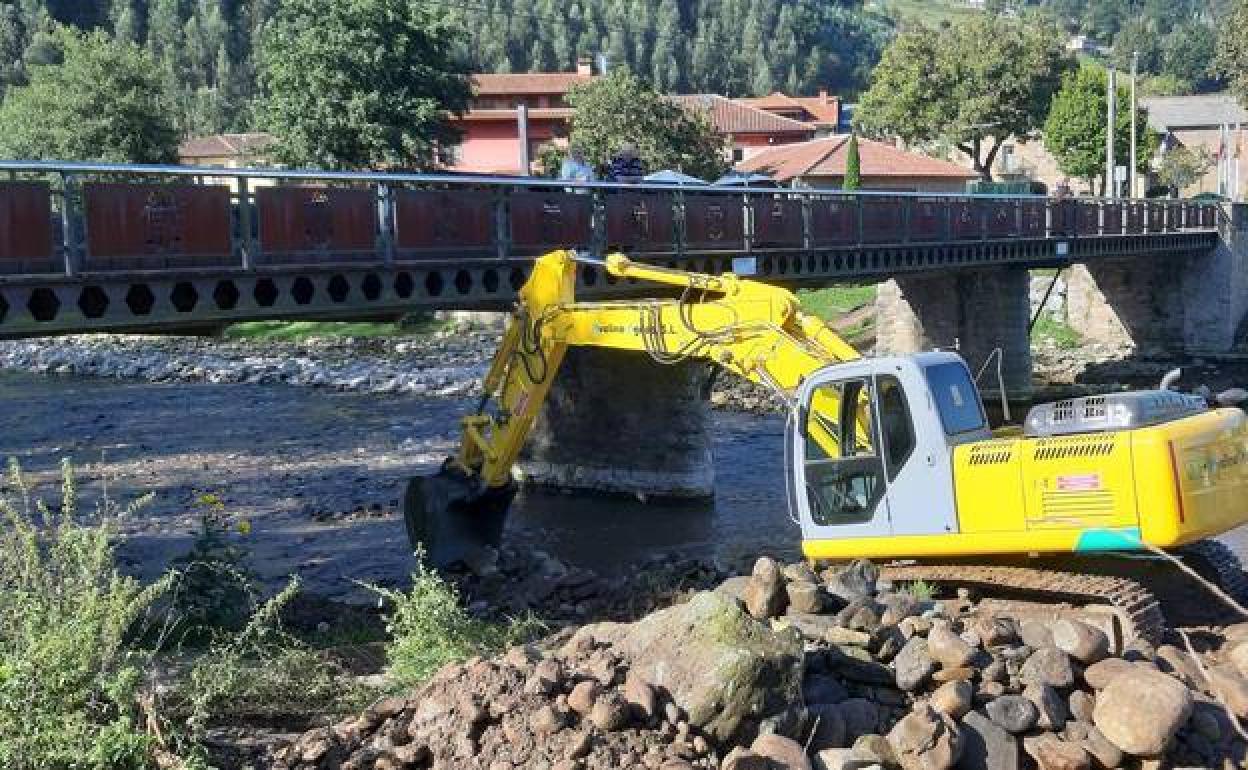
738,154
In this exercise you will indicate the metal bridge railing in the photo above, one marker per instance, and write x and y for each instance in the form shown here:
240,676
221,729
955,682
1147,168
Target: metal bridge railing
73,218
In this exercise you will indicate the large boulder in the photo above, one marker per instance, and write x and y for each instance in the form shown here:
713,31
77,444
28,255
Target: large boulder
1048,665
1140,710
914,664
925,740
783,753
765,595
986,745
1080,641
726,671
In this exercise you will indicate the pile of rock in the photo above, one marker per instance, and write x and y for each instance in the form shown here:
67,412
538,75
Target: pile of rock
664,692
950,684
787,669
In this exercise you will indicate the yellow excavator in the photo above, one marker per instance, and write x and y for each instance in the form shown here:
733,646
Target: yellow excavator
887,458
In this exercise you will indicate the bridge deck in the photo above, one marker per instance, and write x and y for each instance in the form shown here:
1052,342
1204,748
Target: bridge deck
91,247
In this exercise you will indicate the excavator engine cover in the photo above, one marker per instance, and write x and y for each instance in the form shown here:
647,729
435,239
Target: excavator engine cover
450,517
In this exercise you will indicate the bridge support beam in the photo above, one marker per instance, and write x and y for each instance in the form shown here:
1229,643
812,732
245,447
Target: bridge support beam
1165,305
974,311
617,422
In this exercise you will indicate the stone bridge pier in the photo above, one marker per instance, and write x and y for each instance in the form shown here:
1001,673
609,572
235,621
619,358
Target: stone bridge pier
1185,303
617,422
975,312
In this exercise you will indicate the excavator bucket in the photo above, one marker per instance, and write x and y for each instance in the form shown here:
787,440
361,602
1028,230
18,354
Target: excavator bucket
450,517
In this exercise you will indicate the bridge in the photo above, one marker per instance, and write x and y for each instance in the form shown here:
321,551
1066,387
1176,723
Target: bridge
104,247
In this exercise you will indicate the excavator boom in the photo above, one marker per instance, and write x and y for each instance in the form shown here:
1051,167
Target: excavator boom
750,328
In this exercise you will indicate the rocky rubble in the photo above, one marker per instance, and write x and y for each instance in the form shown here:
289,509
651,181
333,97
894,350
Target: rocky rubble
787,669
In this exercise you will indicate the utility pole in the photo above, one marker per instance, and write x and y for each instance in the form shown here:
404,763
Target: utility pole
1135,67
1111,115
522,129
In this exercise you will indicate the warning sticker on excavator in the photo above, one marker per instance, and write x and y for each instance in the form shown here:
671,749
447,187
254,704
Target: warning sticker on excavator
1083,482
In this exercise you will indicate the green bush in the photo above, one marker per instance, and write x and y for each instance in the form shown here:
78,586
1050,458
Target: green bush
429,628
69,680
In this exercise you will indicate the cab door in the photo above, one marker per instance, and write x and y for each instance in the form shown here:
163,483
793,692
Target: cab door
840,478
871,458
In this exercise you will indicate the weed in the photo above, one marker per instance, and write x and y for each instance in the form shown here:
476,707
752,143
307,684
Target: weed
920,590
214,585
429,628
69,680
414,324
1061,333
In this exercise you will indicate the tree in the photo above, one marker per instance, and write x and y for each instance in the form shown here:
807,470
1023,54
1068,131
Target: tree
105,101
361,83
973,86
1231,60
622,108
1181,167
1075,129
853,166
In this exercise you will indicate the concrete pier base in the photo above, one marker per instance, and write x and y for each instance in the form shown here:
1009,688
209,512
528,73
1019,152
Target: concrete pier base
617,422
975,312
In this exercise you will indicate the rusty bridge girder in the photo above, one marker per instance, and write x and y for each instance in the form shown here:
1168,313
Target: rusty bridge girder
96,247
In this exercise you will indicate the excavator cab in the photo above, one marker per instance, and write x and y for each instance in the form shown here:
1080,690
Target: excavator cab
874,439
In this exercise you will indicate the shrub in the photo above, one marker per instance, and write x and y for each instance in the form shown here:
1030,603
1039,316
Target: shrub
429,628
68,679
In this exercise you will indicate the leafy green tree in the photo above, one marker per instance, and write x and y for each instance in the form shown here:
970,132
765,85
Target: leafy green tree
105,102
1075,129
1231,60
1187,54
361,83
623,108
853,166
972,86
1181,167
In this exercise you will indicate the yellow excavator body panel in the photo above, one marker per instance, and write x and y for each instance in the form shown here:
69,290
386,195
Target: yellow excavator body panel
1165,486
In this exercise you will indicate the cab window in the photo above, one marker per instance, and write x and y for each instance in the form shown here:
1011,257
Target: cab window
895,426
844,468
957,399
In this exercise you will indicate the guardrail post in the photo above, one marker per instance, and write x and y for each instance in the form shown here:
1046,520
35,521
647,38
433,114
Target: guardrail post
747,220
858,203
70,215
502,233
598,221
245,244
808,232
385,213
907,218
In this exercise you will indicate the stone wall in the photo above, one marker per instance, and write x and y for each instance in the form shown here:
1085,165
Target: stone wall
974,312
618,422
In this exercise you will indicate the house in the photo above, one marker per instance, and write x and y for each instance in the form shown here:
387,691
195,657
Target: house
821,163
491,125
748,130
1215,122
227,150
822,111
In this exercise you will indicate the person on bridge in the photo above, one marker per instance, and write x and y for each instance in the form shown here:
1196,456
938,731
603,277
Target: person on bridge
575,168
626,166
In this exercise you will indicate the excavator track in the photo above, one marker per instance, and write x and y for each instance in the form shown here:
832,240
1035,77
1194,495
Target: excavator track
1137,609
1215,561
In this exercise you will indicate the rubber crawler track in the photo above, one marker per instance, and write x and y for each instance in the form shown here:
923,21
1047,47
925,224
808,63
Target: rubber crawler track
1138,609
1220,564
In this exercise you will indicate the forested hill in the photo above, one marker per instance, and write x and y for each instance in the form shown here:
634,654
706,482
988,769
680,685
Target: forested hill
739,47
732,47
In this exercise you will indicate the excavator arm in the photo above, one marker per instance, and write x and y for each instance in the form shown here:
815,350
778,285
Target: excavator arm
747,327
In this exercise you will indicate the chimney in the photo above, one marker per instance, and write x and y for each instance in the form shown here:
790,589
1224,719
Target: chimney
584,65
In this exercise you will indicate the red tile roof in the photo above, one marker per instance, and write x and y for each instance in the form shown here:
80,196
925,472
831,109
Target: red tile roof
824,110
225,145
521,83
826,157
730,116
